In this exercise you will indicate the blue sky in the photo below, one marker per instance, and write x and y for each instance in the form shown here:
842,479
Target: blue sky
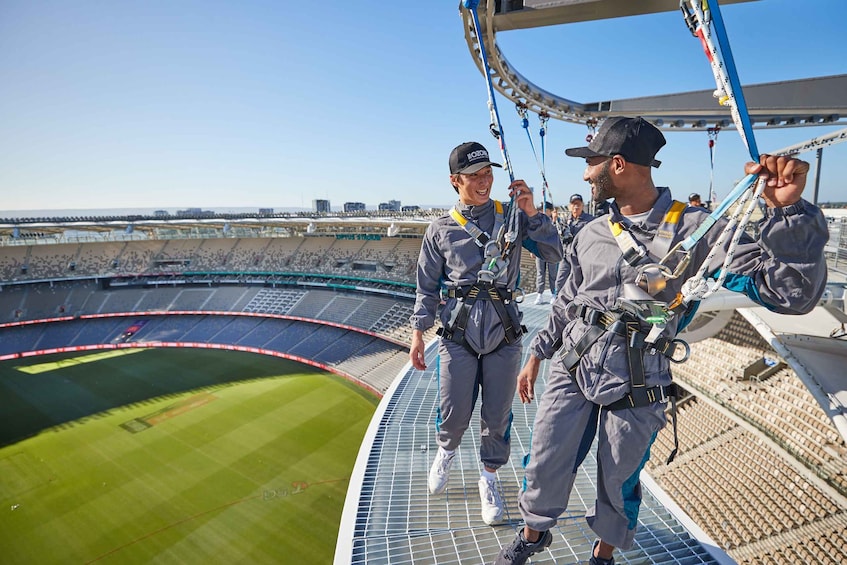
173,104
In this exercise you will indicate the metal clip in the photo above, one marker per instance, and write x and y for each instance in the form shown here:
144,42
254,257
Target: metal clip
687,349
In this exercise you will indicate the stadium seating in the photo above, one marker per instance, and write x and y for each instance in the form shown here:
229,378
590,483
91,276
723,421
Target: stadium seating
761,468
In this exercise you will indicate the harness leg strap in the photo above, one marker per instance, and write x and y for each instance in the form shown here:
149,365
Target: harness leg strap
572,357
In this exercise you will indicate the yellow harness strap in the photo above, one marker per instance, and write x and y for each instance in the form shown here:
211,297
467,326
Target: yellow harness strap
480,236
633,251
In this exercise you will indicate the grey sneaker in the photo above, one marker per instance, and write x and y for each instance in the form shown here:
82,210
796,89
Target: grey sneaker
439,473
520,550
492,504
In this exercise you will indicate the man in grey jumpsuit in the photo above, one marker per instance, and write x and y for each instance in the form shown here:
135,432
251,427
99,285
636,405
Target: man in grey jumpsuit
590,386
545,271
480,347
576,219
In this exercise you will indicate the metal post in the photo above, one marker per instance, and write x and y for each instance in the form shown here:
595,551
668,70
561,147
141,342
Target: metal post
818,159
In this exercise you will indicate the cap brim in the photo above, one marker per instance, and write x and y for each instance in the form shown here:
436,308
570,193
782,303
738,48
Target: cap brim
583,152
471,169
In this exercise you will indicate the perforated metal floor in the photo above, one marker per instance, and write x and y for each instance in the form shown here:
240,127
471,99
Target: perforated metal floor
389,517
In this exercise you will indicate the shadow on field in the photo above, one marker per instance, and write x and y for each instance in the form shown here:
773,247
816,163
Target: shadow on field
61,391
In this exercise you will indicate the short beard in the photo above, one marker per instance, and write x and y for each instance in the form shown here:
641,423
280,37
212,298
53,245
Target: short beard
603,185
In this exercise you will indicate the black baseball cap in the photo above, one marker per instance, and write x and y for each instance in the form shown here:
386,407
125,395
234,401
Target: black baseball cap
575,197
635,139
694,196
469,158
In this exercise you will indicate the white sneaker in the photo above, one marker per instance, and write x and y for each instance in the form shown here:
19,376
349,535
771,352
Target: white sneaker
439,473
540,300
492,504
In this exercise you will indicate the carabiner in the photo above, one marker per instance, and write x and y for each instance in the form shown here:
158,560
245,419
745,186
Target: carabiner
687,349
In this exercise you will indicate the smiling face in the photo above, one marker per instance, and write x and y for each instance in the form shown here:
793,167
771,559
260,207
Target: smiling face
475,188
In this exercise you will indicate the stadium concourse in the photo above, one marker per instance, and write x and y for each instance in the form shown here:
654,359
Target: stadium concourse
761,476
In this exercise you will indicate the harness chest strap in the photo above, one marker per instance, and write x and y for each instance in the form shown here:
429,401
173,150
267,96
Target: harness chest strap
633,251
480,237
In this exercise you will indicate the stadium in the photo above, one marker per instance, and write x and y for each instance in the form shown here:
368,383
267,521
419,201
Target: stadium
293,329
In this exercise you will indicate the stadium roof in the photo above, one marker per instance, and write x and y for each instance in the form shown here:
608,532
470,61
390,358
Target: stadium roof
388,223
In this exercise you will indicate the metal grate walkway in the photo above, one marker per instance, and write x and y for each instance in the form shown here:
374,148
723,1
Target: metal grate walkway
389,516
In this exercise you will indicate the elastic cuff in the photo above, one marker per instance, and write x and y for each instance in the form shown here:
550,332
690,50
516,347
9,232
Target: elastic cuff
797,208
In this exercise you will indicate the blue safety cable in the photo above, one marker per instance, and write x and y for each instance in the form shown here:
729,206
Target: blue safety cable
496,129
737,93
542,118
542,133
741,117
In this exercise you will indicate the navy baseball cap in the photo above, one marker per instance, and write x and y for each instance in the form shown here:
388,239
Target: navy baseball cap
635,139
576,197
469,158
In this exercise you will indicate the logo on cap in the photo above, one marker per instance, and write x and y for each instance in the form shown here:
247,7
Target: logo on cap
476,155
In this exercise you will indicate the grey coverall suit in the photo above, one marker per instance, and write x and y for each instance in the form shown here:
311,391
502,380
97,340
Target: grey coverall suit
449,255
570,229
784,270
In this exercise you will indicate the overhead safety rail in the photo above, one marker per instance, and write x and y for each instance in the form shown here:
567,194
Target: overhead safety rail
819,142
793,103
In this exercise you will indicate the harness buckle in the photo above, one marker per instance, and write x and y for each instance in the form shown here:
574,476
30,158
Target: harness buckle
651,279
494,265
634,254
648,311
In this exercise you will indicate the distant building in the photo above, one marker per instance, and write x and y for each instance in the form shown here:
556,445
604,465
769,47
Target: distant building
410,208
321,206
194,212
266,211
161,213
354,206
390,206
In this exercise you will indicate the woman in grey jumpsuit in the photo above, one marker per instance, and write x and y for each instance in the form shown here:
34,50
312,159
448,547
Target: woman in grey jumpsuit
480,347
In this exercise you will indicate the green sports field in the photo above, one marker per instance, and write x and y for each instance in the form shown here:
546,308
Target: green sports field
174,456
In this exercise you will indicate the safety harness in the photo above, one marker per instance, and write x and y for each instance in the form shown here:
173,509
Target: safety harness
466,297
639,321
493,267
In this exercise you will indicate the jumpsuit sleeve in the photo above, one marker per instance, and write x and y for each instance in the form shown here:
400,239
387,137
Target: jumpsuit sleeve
541,237
429,273
785,270
548,339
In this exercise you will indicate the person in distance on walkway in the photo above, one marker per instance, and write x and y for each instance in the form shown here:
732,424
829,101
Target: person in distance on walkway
694,200
576,219
545,271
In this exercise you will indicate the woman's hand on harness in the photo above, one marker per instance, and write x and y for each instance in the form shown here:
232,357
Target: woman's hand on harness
416,351
527,378
523,197
786,178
